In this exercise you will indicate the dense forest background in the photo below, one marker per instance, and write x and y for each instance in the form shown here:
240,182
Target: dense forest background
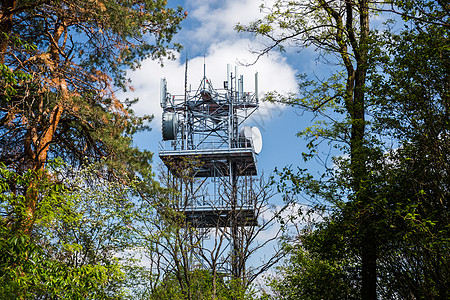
80,203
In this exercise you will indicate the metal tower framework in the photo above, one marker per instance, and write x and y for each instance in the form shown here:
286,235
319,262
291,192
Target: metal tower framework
204,128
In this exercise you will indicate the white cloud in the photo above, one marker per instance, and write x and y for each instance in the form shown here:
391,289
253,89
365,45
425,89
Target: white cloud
217,21
274,74
209,30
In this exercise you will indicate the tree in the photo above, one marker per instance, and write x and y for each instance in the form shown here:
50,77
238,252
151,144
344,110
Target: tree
85,241
61,63
74,53
395,221
340,29
413,99
50,263
201,285
308,274
102,232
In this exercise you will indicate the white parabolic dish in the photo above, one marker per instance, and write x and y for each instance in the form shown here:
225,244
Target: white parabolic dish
256,139
246,133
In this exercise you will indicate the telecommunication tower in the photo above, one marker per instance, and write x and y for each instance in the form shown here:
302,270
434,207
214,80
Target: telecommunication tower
206,126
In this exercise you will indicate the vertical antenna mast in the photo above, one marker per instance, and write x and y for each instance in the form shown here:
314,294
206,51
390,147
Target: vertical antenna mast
204,71
185,80
184,128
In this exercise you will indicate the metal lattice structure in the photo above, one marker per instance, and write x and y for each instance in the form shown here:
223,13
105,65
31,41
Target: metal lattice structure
204,129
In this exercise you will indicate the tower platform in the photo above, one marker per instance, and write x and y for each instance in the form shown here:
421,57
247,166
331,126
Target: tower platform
220,217
207,161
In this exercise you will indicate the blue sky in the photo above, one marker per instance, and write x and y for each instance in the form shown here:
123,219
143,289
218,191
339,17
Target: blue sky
208,35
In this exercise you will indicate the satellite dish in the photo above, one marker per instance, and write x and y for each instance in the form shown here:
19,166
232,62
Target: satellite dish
256,139
245,137
169,126
246,132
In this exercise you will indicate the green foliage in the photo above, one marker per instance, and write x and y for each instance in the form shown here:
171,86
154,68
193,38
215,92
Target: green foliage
36,265
61,63
387,192
309,276
11,79
413,101
201,287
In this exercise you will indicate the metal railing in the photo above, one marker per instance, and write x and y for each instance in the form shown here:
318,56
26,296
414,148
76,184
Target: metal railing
210,145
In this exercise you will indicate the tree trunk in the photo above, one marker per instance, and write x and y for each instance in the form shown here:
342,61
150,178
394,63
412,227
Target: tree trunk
368,239
214,282
43,140
369,266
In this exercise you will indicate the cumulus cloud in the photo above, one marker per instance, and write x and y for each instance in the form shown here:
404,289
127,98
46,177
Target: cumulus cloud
273,71
217,19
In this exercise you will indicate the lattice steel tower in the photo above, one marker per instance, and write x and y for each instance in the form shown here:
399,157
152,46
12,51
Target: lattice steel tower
205,128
